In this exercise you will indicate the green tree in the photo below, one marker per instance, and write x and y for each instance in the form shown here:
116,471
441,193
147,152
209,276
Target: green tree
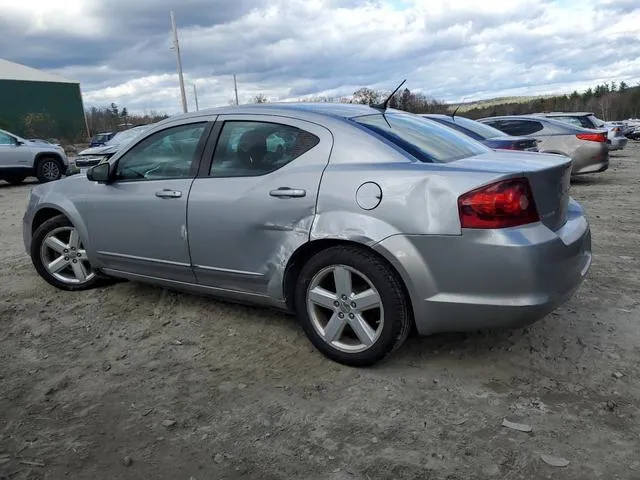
38,125
260,98
623,87
366,96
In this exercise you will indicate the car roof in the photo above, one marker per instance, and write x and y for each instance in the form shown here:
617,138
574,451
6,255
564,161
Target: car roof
565,114
298,109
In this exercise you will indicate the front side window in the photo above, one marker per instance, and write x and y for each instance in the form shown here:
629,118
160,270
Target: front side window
249,149
6,139
166,154
427,141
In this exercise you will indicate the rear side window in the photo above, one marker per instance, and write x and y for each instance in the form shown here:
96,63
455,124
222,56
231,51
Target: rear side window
423,139
577,121
518,127
249,149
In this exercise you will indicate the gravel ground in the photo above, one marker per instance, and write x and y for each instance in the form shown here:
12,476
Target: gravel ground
133,382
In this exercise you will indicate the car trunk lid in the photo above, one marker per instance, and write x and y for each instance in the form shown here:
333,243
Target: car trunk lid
549,177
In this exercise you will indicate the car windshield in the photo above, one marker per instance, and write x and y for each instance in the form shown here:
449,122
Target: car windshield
480,129
425,140
127,135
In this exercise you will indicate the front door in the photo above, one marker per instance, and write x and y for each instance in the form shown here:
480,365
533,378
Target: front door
14,155
137,223
256,203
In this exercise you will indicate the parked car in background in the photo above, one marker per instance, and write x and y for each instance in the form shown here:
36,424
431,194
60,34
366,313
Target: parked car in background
632,128
94,155
491,137
365,223
615,131
21,158
100,139
587,148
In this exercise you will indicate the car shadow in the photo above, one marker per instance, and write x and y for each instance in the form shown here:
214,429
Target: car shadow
27,182
593,179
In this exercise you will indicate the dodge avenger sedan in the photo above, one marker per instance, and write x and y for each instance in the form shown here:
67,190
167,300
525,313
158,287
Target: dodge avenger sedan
365,222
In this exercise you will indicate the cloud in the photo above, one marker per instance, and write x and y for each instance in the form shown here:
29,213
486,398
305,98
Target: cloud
289,49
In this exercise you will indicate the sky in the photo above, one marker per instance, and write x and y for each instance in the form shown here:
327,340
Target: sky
121,50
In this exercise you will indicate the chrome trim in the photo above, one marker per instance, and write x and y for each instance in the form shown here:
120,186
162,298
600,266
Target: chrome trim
198,286
144,259
229,270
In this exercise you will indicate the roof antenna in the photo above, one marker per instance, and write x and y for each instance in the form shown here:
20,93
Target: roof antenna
383,106
453,115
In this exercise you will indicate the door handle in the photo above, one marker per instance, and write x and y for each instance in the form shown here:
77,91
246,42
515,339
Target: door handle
167,193
286,192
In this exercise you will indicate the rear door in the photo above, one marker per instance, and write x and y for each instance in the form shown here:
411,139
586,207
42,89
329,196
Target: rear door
254,200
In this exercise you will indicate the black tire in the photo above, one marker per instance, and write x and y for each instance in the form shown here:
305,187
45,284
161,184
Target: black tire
15,180
397,317
49,162
36,244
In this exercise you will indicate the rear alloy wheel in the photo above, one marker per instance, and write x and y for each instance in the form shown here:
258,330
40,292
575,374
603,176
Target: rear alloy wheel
49,170
60,257
352,306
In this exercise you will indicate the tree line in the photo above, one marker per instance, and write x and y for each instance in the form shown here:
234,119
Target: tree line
609,101
113,118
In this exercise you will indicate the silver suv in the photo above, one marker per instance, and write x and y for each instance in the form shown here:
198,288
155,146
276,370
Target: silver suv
21,158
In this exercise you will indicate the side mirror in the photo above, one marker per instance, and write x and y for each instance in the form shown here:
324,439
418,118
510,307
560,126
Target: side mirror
19,142
100,173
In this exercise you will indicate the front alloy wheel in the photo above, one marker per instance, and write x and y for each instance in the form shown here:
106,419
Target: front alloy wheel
60,257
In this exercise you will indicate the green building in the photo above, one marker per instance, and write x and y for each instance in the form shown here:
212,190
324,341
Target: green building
35,104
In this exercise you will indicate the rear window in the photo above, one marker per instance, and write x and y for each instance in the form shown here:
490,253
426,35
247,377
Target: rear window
471,127
578,121
517,127
425,140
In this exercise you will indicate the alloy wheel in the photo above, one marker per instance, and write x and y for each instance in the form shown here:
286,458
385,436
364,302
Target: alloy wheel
345,308
65,258
50,170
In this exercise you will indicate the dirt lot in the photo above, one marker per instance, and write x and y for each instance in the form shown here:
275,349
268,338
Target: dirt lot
134,382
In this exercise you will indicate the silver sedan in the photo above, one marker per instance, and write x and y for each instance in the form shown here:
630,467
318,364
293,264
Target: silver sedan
587,148
366,223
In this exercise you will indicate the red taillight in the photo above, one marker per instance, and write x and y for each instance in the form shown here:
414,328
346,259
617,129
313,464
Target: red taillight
507,203
592,137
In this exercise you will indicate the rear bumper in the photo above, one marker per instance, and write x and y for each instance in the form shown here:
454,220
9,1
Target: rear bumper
592,157
618,143
491,278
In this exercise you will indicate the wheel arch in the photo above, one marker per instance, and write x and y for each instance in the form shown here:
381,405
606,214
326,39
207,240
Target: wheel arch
40,156
44,214
300,257
49,210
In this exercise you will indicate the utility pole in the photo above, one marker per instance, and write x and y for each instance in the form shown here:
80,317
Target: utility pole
235,87
176,45
195,94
